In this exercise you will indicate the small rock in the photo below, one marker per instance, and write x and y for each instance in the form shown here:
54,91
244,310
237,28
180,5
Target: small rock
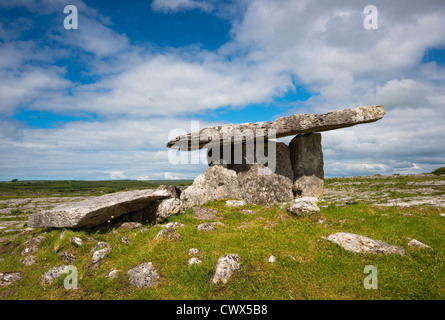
218,223
235,203
304,206
174,225
193,252
100,245
125,240
442,214
246,211
99,255
418,245
169,233
77,241
52,274
28,261
360,244
143,275
8,278
67,256
129,225
201,213
113,273
227,265
206,227
194,260
272,259
29,249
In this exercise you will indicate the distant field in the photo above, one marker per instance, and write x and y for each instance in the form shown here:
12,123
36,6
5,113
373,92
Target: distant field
78,187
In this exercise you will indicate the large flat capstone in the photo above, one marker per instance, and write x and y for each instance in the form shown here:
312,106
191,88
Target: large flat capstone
281,127
97,210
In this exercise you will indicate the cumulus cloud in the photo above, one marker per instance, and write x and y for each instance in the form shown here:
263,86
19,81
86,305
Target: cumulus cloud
181,5
141,93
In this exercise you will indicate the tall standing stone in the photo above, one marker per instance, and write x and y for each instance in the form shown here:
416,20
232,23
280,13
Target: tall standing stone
307,162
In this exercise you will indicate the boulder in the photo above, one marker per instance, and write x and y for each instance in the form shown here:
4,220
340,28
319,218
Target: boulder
143,275
360,244
243,183
94,211
227,265
304,206
166,208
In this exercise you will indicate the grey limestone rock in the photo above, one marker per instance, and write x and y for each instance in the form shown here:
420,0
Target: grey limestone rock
206,227
77,241
227,266
143,275
99,255
285,126
360,244
418,245
244,183
304,206
307,163
168,233
8,278
201,213
52,274
94,211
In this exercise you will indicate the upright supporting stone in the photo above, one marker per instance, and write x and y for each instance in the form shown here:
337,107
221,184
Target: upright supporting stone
307,163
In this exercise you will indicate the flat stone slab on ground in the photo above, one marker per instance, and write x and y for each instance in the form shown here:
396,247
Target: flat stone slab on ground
96,210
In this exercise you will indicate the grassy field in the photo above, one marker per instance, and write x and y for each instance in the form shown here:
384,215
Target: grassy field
307,266
73,187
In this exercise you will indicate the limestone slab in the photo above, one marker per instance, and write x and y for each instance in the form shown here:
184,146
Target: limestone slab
281,127
96,210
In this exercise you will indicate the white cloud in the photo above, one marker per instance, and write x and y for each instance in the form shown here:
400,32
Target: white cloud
170,176
116,175
142,94
180,5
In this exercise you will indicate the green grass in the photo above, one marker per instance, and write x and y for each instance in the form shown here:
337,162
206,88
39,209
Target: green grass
72,187
307,266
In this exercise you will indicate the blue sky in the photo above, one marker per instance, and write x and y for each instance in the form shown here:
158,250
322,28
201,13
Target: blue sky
100,102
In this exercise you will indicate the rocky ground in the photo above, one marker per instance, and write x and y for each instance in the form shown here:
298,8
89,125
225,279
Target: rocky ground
394,190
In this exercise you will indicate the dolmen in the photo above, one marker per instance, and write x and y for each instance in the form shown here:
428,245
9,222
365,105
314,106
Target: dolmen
245,163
